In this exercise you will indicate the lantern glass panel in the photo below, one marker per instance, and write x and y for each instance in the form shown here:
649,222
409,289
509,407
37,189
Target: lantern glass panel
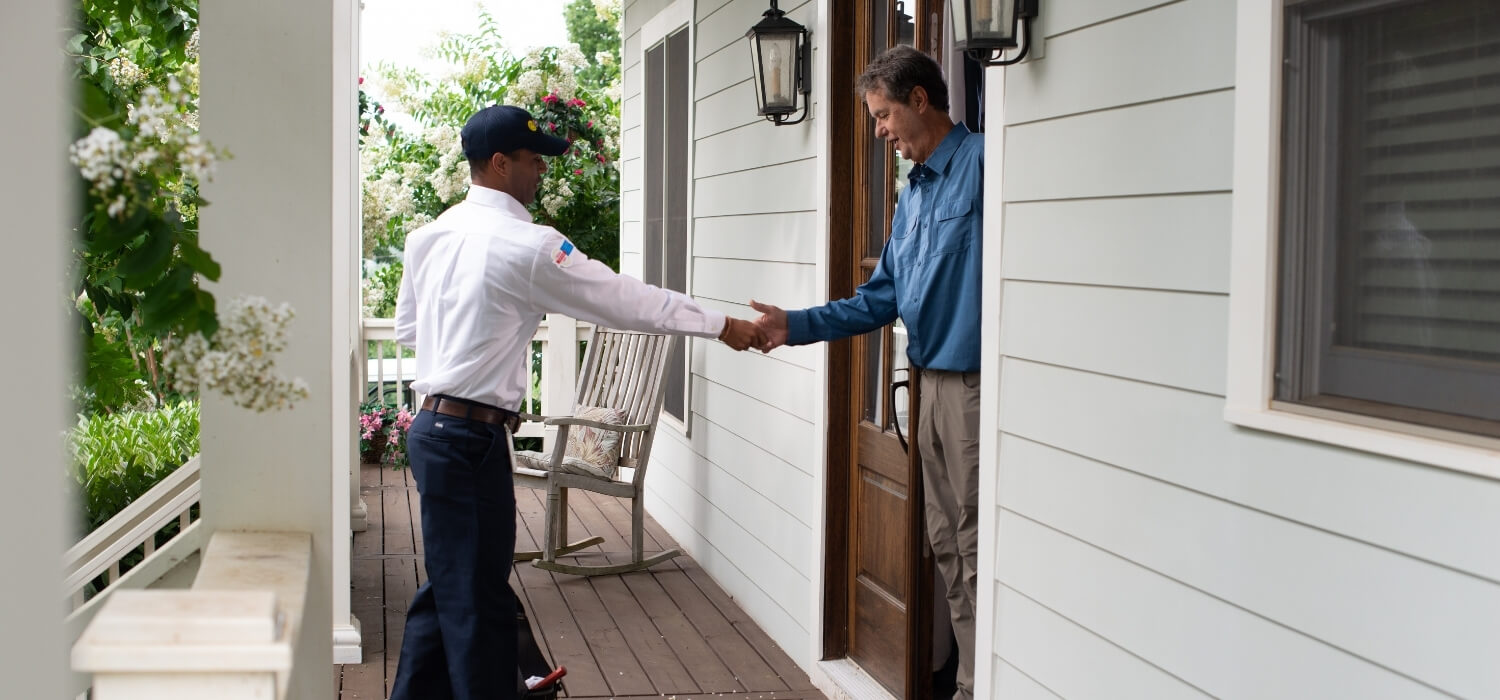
960,10
755,66
778,58
984,24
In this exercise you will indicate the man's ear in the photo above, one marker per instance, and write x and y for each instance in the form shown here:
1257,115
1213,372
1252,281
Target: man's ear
499,164
918,99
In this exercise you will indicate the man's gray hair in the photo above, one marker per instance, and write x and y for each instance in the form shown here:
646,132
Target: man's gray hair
898,70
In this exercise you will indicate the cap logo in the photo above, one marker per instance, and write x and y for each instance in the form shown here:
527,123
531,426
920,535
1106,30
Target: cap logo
531,124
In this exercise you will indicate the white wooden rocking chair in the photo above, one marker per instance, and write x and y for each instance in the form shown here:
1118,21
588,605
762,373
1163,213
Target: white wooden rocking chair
623,370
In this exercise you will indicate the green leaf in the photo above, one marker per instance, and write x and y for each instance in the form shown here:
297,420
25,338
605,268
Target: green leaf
107,235
199,260
171,303
143,264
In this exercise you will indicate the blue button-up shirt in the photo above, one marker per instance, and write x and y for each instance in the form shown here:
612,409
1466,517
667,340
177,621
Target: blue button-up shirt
929,271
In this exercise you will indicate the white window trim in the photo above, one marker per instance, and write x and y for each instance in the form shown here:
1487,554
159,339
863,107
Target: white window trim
676,16
1253,279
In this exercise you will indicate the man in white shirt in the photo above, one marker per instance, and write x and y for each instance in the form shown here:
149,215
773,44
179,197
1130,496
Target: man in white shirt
477,282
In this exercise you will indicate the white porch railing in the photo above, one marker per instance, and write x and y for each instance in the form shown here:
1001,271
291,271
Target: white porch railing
556,339
233,636
133,530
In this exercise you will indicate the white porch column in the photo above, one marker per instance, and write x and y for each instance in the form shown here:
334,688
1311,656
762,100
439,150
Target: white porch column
559,371
38,349
277,91
349,349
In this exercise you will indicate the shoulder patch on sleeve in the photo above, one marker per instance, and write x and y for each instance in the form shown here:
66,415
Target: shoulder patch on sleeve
563,256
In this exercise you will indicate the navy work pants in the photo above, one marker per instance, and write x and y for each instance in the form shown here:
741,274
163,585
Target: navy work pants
460,638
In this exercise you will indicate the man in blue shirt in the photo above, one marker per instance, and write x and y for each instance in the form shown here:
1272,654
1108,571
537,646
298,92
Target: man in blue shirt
929,277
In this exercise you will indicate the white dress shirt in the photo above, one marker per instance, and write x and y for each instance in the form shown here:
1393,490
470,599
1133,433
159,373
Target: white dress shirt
478,280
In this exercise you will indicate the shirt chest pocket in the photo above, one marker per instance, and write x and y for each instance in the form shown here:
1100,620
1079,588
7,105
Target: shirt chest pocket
949,228
952,226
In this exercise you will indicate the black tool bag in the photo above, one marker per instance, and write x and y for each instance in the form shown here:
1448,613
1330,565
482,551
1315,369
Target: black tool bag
531,662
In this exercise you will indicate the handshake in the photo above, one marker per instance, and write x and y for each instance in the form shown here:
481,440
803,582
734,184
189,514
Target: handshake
764,334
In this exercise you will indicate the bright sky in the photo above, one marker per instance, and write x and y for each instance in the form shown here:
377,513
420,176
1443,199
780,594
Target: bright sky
398,30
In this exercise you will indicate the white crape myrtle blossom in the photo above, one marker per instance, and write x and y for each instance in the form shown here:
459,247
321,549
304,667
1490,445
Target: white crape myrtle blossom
98,157
196,158
553,204
564,85
239,360
571,58
415,222
475,69
527,89
125,72
533,58
384,198
371,296
451,180
607,10
604,58
158,142
444,138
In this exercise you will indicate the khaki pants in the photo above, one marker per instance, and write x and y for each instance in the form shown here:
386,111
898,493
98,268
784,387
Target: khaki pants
948,442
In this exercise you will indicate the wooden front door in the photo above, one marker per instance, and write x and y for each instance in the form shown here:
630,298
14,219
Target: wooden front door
880,577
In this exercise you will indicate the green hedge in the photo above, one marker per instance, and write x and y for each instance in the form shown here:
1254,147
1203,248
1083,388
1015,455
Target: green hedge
119,456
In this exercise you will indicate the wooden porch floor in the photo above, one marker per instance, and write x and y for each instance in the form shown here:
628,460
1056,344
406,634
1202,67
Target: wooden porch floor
668,631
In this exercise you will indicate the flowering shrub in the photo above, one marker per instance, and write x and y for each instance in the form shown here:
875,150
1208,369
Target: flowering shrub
382,433
142,162
410,178
238,360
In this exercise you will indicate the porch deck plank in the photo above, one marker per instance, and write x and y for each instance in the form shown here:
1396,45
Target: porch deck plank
562,640
400,586
366,681
371,542
668,631
396,520
656,667
627,597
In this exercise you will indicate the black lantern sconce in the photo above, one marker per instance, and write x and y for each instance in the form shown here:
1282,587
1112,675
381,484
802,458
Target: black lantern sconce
982,27
778,55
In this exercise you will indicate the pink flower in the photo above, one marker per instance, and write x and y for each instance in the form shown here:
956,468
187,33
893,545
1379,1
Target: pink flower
575,102
577,172
590,125
550,99
552,126
601,158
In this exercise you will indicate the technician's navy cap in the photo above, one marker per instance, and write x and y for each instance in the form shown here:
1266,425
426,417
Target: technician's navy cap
505,129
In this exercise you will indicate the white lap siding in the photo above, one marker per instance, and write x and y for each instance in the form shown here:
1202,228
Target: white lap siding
740,490
1144,547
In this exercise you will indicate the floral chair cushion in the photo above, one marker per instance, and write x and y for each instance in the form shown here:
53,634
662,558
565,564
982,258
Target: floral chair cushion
590,451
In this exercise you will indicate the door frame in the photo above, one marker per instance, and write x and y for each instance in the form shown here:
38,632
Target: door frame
849,172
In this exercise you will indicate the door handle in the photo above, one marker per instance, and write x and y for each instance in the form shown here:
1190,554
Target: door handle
895,421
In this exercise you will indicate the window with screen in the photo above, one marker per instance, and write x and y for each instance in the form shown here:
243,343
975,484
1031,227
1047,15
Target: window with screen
1390,216
665,250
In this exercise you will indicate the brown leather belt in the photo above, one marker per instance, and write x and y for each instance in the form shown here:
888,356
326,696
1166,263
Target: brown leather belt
458,408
